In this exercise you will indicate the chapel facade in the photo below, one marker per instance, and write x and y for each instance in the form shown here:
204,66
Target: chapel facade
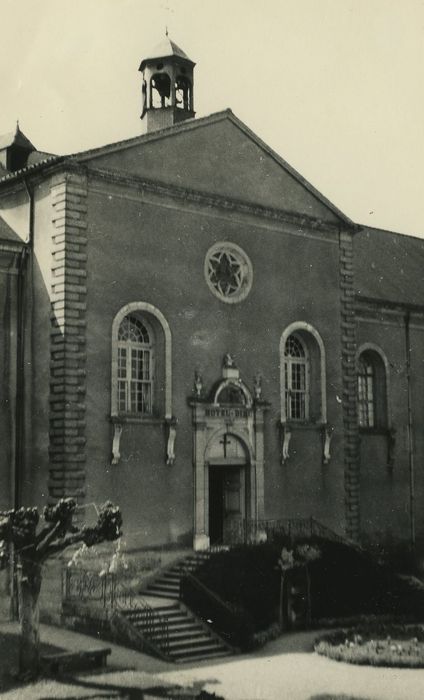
193,331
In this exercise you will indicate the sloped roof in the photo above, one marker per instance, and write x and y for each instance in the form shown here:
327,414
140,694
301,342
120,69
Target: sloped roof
15,138
6,175
165,49
7,233
389,266
191,124
39,157
37,160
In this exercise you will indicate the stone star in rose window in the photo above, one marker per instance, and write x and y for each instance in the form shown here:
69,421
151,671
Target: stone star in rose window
225,273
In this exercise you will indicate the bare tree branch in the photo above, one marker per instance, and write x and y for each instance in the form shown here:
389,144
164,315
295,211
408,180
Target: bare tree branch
63,544
48,539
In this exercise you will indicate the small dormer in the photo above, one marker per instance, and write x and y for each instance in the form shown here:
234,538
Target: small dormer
167,88
15,149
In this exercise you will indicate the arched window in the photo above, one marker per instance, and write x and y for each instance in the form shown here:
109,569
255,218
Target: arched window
160,90
141,381
372,390
135,367
296,371
302,374
183,92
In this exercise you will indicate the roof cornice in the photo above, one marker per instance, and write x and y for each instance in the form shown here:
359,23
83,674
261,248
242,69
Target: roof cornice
210,200
363,302
35,168
182,127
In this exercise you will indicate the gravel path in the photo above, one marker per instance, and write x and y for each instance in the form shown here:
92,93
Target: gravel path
285,669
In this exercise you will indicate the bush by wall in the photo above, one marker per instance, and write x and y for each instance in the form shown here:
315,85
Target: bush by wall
344,582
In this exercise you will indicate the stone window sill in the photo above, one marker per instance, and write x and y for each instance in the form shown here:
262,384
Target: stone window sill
140,420
375,431
301,425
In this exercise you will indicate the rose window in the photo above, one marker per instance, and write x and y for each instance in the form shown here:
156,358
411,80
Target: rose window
228,272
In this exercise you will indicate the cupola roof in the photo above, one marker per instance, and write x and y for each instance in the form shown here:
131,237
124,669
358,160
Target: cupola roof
165,49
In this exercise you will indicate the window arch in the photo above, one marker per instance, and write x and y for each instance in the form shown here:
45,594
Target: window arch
302,374
372,372
183,92
296,371
160,90
141,362
136,378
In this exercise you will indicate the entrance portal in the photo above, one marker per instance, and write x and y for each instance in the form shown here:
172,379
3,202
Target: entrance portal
227,504
228,458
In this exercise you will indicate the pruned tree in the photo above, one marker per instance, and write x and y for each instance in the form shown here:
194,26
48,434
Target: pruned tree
33,545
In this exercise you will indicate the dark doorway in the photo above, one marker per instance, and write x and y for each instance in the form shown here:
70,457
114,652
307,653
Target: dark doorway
216,505
226,504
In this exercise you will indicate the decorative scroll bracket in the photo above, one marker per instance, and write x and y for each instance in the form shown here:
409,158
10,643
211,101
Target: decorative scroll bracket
172,434
327,436
285,443
117,432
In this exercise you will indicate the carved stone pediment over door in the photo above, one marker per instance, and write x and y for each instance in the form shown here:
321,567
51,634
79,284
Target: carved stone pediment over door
228,459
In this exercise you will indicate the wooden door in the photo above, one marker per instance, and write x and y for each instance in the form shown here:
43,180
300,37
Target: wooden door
234,507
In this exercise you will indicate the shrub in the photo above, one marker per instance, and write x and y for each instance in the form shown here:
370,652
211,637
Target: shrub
247,578
376,645
344,583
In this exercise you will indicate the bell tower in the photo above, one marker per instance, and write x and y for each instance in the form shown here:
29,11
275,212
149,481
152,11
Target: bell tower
167,87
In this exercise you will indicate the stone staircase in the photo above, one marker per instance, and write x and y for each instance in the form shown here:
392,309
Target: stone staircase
189,638
167,583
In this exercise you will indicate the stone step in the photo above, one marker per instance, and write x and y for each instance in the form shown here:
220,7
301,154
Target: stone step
171,576
161,593
180,646
183,627
201,657
176,627
180,635
173,584
205,649
188,638
164,583
172,618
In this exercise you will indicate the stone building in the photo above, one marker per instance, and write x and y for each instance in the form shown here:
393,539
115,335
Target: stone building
192,330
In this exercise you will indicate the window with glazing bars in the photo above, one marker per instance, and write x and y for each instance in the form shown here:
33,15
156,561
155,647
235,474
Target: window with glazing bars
135,367
296,379
366,393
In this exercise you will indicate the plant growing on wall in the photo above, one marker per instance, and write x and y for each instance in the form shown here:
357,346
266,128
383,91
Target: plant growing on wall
33,545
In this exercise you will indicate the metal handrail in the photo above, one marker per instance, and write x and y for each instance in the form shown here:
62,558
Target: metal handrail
291,527
110,591
230,623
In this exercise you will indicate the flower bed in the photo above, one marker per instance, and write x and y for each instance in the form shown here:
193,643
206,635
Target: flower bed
376,645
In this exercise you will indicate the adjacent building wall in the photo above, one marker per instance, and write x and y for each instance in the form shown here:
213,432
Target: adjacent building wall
385,457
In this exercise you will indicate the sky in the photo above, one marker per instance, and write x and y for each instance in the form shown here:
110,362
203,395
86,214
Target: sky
336,87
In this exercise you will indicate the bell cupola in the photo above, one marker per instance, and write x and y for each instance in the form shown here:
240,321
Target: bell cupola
167,86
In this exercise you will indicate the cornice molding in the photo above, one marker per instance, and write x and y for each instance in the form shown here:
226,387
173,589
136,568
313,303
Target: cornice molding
209,200
363,303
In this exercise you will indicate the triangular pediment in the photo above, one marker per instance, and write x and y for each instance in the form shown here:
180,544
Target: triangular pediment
217,155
